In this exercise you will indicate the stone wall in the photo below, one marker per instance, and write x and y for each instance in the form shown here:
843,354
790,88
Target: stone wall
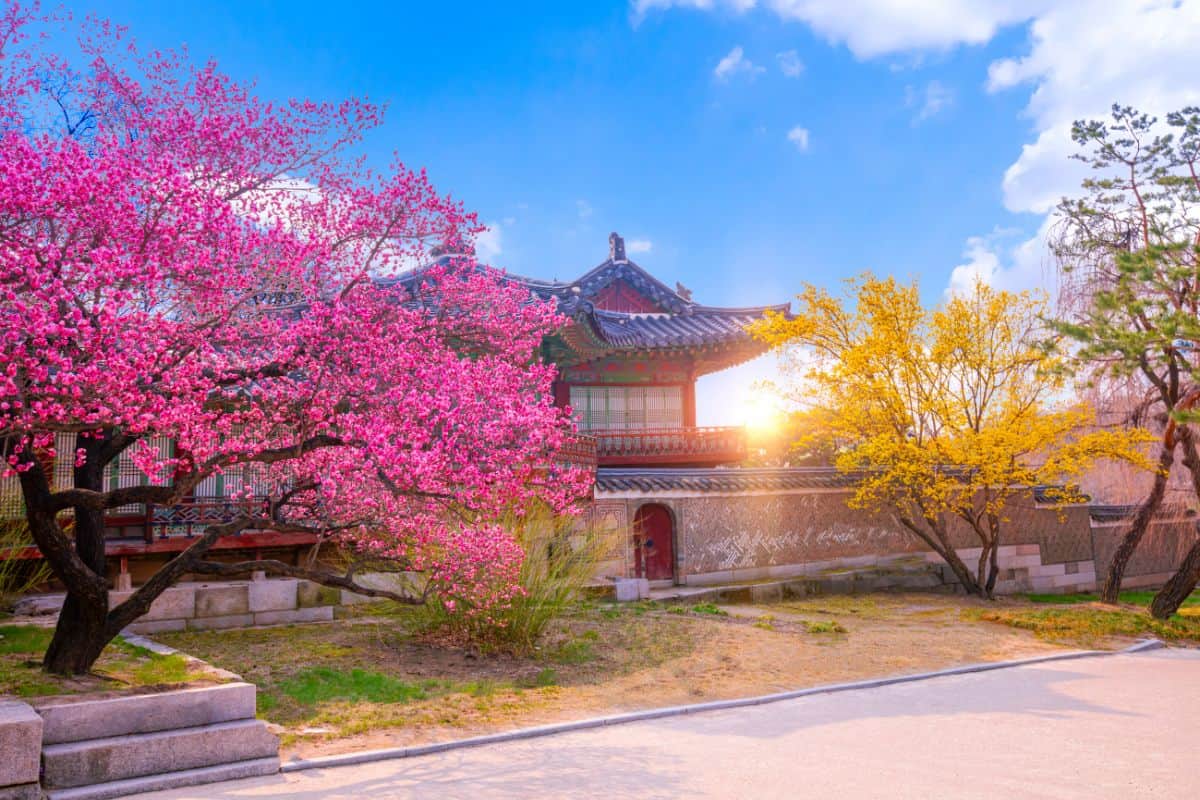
724,537
232,604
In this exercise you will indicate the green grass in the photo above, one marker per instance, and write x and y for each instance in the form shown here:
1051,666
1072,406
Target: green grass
24,639
579,650
710,609
1092,624
1138,598
323,684
827,626
122,665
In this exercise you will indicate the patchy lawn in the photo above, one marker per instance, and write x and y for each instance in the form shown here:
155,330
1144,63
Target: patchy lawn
377,682
123,666
1079,619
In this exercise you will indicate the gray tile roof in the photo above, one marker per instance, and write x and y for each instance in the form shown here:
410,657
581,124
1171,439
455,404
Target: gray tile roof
682,323
731,479
749,479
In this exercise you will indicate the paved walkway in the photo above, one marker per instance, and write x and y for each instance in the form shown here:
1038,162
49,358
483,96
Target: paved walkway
1115,727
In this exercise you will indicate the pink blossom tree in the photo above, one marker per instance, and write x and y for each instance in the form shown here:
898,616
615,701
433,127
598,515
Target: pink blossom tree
180,258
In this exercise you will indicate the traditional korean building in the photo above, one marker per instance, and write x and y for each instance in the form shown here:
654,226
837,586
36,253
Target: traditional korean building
629,360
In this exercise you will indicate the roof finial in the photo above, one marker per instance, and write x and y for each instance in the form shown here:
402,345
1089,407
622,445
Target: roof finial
616,247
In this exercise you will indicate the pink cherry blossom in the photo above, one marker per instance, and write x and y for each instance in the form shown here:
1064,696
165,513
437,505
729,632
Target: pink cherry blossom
181,258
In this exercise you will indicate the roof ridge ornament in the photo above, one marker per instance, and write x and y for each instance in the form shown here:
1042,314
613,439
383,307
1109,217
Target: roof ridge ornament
616,248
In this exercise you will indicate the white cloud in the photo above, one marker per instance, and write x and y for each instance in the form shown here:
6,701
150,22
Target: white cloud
639,246
584,208
1079,64
933,99
489,244
799,137
1004,260
790,63
1083,55
878,27
736,63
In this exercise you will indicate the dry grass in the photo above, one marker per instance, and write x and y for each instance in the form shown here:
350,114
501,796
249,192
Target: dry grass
379,682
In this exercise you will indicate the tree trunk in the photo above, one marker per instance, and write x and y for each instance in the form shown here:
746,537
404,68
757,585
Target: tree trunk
1111,590
82,630
939,542
1182,584
989,586
80,636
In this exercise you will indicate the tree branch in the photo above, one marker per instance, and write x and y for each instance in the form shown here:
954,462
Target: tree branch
316,576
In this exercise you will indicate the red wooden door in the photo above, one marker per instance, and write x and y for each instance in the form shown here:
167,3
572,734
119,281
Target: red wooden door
654,555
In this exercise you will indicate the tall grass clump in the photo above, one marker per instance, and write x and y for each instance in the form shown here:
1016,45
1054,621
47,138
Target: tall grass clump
18,576
562,555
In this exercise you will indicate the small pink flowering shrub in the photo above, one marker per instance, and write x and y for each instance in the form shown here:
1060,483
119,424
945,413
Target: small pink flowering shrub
541,562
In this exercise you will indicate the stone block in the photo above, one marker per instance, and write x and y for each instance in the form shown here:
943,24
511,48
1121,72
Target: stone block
39,605
1071,583
736,594
799,589
310,594
222,600
1047,570
157,626
20,743
311,614
349,598
709,578
251,768
784,571
1022,561
73,719
178,602
272,595
630,589
23,791
926,580
766,593
220,623
121,757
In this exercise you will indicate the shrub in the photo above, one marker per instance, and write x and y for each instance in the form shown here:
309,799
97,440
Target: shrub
561,555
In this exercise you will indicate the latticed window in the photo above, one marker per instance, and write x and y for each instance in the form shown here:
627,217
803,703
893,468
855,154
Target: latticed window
627,408
123,472
119,474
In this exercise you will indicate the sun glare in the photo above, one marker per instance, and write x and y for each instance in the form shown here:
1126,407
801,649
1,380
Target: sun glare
760,411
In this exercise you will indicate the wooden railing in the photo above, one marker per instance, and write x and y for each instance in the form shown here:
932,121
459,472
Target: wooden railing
192,517
677,446
579,451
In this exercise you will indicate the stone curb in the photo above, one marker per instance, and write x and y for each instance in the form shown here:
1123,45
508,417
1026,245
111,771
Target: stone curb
137,640
368,756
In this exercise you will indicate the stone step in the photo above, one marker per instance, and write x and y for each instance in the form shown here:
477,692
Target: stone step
170,780
117,758
68,720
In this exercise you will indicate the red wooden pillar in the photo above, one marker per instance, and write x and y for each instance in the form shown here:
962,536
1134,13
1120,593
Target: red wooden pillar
562,393
689,404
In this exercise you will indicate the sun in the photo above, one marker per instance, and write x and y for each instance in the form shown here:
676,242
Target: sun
760,411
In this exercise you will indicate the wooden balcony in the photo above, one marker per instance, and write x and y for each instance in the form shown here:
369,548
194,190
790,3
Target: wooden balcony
579,451
675,447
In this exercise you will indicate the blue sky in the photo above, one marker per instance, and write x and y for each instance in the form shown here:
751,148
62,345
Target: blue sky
561,122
